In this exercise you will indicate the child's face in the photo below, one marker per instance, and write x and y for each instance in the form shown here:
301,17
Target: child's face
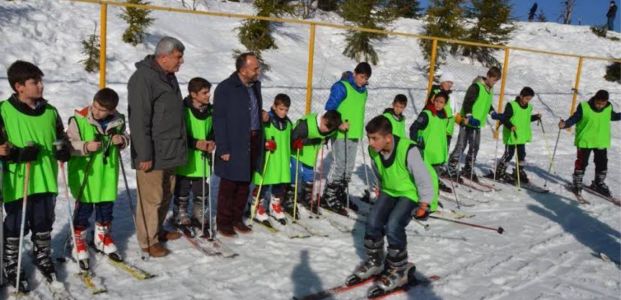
379,142
323,125
446,85
31,89
438,103
600,104
398,108
280,110
361,79
525,99
491,81
100,112
202,96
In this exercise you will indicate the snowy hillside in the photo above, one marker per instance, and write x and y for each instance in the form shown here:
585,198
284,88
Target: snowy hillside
545,253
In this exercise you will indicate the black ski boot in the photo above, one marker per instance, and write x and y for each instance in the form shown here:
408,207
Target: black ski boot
11,251
599,185
180,211
443,187
451,170
577,182
330,199
372,266
468,173
501,173
396,274
342,195
42,250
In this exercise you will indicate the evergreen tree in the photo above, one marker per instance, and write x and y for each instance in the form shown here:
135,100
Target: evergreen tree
367,14
90,48
613,72
327,5
541,17
492,24
444,19
568,10
137,20
405,8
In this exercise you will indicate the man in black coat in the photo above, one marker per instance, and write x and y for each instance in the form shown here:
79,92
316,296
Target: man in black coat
611,14
237,120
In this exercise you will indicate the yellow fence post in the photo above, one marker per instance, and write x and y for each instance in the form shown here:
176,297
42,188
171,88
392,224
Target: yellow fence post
576,85
103,20
309,69
503,83
432,66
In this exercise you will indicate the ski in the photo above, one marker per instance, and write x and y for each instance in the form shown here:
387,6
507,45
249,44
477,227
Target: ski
579,197
611,199
299,222
454,213
267,226
58,290
477,185
94,286
116,261
335,290
219,246
525,185
606,258
461,202
208,251
292,231
336,224
404,289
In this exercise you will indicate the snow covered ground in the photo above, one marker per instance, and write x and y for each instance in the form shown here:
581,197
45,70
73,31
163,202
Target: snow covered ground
545,252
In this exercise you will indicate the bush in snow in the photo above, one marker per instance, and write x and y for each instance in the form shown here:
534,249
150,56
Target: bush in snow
444,19
90,48
137,20
613,72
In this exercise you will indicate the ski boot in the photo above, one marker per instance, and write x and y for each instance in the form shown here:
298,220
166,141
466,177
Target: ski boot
343,195
11,252
104,243
443,187
468,173
599,185
288,202
261,213
372,266
198,208
80,251
330,199
451,171
180,211
577,182
277,211
42,248
397,273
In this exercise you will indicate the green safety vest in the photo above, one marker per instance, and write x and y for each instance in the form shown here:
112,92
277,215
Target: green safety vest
521,121
593,129
199,130
398,126
308,154
450,125
103,176
278,168
41,131
395,178
436,149
352,110
482,105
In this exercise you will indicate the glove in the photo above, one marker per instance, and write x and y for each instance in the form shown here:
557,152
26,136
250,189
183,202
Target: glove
422,213
270,145
473,122
26,154
298,144
61,151
459,119
496,116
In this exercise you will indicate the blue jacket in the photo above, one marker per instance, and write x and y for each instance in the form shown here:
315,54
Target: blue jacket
231,123
338,91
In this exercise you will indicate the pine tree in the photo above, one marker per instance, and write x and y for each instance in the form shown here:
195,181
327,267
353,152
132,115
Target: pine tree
367,14
138,21
492,24
613,72
90,48
541,17
327,5
405,8
444,19
568,10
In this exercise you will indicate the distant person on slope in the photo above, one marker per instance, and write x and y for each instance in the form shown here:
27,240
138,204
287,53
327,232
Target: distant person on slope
592,119
446,84
611,14
531,13
395,115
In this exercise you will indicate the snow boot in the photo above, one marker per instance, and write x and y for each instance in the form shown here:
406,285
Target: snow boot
11,253
261,213
396,274
577,181
198,208
80,251
599,185
180,211
372,266
277,211
468,173
330,199
104,243
342,195
501,173
42,248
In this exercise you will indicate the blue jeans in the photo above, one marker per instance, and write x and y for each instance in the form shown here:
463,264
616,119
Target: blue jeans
611,21
390,216
103,213
305,172
39,215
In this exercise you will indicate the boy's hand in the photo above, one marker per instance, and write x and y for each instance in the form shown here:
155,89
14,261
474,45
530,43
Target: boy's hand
513,128
344,126
376,191
270,145
145,165
211,145
561,124
422,212
470,120
4,149
93,146
298,144
202,145
265,117
225,157
117,140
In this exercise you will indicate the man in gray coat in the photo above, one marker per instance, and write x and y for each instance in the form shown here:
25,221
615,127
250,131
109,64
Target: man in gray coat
158,139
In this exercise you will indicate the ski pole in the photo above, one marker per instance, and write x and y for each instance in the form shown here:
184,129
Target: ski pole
253,209
23,222
318,199
474,135
345,170
1,239
545,184
211,227
517,168
496,156
500,230
424,225
545,139
203,181
366,173
295,186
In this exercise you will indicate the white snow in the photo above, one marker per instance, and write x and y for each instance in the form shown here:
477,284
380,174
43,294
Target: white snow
545,252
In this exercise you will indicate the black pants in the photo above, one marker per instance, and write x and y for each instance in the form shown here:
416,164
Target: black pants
600,159
39,215
510,151
103,213
467,137
183,186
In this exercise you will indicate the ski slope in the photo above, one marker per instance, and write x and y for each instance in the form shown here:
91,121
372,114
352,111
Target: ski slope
546,251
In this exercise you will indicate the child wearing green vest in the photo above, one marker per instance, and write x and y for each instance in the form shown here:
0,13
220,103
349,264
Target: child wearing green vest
406,183
429,131
97,134
276,176
474,110
446,84
395,115
516,132
309,134
199,125
37,140
592,119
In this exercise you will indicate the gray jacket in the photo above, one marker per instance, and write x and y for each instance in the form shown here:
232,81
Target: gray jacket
156,117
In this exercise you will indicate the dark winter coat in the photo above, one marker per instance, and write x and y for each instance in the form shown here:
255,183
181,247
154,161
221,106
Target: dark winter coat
231,122
612,11
156,117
